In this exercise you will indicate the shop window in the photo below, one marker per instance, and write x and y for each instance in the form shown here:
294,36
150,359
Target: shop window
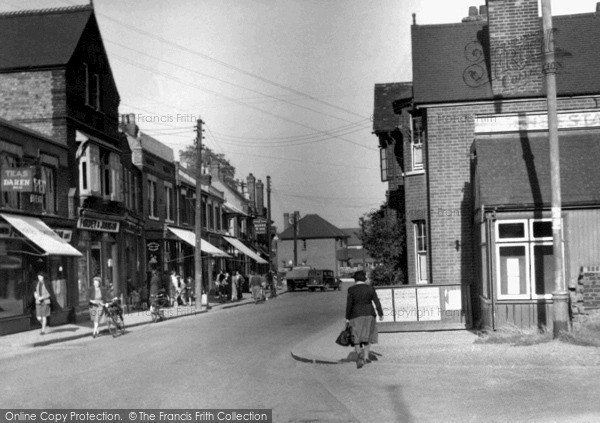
420,229
10,199
49,189
525,259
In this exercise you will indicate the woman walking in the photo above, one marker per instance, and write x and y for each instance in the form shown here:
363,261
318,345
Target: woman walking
42,301
97,297
360,314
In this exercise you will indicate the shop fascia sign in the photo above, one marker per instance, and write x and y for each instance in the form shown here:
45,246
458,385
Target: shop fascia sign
23,179
536,121
97,225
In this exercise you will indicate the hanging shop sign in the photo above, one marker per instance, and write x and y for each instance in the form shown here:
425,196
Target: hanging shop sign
260,226
97,225
22,179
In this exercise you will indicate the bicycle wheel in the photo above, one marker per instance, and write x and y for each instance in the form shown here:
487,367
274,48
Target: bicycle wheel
112,325
120,324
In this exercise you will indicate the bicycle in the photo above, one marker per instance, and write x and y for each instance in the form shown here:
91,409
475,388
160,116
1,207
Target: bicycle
114,317
157,304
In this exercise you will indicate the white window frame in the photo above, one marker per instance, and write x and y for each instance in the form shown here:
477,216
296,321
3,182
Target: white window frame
420,253
152,184
545,238
169,207
525,229
416,143
534,295
527,295
384,164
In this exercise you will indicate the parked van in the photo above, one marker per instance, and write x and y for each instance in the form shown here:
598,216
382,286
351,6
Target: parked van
297,277
323,279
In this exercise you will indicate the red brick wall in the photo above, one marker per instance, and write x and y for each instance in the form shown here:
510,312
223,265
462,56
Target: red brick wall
35,100
449,138
515,41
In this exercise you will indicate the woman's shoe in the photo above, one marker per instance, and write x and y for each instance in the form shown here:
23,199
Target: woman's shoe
94,334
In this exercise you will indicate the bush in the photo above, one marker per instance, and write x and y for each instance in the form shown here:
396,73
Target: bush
384,275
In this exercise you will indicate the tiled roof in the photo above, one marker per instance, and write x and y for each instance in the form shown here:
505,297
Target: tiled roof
514,170
353,234
41,38
313,226
154,146
451,62
384,118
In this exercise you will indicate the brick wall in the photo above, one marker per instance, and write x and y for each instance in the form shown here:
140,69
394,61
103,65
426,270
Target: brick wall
515,31
449,138
585,293
36,100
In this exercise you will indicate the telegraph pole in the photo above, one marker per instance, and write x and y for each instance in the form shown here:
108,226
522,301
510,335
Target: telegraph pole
295,238
269,223
560,296
198,220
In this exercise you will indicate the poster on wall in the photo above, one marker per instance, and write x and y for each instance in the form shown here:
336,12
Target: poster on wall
406,304
452,298
387,304
429,303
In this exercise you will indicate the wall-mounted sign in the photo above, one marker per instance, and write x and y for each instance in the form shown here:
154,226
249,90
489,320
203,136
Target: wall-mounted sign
260,226
535,121
22,179
97,225
65,234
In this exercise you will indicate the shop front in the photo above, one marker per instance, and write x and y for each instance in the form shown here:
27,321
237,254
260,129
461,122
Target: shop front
100,244
28,245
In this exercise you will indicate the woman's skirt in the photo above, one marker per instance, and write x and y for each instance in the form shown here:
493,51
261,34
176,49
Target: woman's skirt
97,314
42,310
364,329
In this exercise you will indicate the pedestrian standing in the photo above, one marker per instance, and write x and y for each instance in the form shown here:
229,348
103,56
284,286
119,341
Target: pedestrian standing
229,283
42,301
255,286
189,290
360,314
234,286
174,288
239,283
97,296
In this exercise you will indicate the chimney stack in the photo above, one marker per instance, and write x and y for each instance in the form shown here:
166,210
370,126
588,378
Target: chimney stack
252,191
286,221
515,47
128,124
260,198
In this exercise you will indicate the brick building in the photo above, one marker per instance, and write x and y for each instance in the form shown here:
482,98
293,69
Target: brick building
317,244
479,91
55,78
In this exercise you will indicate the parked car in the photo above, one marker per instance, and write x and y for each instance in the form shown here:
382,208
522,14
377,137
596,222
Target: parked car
297,277
323,279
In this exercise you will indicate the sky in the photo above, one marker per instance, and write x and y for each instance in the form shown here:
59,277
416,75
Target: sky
284,87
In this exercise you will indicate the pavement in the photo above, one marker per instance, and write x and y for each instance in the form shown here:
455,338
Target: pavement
29,340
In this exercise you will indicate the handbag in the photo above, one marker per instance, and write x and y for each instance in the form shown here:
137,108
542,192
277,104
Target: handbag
345,337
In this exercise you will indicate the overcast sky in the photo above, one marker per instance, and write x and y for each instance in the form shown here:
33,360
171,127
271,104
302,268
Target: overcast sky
285,87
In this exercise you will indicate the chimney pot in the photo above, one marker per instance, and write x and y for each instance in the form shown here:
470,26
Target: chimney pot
473,11
483,10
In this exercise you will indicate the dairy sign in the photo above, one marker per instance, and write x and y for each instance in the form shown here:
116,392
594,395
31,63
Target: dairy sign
98,225
22,179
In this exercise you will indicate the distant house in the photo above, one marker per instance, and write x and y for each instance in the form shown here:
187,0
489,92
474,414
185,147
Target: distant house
317,243
354,257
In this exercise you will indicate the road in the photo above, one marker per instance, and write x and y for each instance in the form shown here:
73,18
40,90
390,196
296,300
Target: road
240,358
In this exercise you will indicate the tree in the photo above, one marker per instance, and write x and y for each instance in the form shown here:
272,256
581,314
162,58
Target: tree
209,157
382,235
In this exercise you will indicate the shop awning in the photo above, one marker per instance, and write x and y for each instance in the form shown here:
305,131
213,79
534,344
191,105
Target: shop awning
190,238
245,250
231,209
41,235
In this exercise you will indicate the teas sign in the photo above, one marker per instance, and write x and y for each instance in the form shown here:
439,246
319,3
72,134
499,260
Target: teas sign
260,226
21,179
